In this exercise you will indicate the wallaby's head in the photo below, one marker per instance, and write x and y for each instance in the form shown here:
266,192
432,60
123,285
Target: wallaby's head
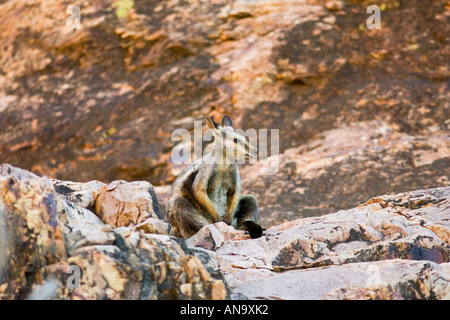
234,144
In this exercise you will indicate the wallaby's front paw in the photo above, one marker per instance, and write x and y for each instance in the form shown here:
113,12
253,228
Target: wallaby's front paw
254,229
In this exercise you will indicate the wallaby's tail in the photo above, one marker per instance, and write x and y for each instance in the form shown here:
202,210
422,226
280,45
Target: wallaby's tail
247,216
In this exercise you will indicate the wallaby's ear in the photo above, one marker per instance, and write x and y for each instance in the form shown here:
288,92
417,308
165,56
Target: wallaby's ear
211,123
226,121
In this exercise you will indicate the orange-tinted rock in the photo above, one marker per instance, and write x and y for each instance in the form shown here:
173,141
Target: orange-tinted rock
29,232
122,203
369,252
47,241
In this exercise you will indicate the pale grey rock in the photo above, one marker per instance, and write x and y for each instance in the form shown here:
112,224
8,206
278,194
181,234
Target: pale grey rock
333,251
389,279
81,194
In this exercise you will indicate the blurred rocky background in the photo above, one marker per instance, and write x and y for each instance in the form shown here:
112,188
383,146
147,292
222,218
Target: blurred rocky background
360,112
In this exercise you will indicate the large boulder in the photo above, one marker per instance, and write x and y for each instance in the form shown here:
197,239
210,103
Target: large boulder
134,266
30,237
339,255
122,203
84,195
386,280
390,247
47,240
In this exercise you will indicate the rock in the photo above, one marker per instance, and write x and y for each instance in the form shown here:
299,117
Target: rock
82,234
78,200
30,238
81,194
344,243
386,280
80,226
389,247
46,240
140,267
152,225
214,235
76,213
344,166
122,203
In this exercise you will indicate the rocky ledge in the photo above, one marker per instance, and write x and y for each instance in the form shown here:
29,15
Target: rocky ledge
116,240
111,236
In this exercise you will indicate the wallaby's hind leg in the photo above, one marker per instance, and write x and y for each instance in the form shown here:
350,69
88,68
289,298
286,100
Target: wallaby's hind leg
247,216
185,219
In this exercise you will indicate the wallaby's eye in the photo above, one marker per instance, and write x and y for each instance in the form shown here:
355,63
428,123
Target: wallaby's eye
235,140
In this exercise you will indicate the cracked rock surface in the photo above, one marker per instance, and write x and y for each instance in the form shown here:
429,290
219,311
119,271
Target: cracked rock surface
391,247
45,237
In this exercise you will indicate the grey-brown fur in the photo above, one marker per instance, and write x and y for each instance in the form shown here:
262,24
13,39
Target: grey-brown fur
209,190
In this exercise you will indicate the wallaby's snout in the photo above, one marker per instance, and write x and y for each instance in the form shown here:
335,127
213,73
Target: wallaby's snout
242,148
253,152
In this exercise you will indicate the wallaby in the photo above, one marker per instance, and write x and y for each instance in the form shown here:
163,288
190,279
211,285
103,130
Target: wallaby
209,189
